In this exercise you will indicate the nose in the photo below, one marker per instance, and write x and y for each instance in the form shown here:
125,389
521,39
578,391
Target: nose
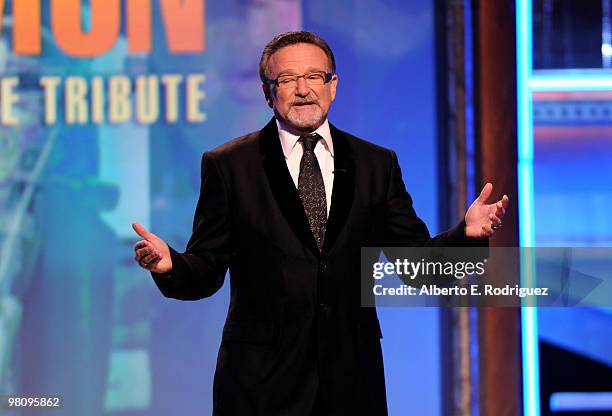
302,89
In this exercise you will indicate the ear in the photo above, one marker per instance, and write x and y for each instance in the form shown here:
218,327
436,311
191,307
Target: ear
333,83
267,93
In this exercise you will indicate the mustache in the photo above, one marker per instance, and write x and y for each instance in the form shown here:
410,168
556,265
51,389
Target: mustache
303,101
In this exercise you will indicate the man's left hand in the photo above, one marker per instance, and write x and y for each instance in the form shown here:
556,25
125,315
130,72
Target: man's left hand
482,219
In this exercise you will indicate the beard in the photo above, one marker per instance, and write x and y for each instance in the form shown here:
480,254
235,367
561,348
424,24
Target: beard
305,117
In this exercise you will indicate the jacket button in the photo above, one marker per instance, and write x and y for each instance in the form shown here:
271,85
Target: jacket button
323,265
324,307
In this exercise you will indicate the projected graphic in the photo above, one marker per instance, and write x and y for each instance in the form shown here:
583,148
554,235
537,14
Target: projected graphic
105,114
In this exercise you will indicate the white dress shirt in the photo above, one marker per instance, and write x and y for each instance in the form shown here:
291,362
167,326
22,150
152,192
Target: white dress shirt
324,151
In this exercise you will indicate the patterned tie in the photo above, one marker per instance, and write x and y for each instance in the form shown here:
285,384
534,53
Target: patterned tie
312,189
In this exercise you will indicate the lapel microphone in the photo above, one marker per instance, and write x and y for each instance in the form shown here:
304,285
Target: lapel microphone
339,170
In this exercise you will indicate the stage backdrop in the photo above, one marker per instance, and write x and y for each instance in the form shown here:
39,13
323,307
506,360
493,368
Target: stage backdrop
105,110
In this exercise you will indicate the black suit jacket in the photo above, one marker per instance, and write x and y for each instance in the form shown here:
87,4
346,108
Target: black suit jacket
296,341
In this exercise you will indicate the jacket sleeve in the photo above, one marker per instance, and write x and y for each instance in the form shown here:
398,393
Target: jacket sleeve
199,271
405,228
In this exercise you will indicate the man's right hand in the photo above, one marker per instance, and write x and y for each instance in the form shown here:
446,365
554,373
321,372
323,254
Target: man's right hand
152,253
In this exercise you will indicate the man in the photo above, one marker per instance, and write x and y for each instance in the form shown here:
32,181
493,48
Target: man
287,209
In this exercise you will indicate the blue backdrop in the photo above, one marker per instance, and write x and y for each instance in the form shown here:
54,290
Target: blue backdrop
77,317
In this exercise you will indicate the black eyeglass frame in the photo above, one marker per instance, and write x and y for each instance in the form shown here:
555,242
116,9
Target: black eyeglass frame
328,78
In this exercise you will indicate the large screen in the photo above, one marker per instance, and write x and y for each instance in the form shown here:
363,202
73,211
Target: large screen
105,110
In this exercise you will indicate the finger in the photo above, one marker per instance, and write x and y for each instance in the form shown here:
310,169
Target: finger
144,264
485,193
137,258
505,201
140,253
487,230
153,263
141,244
495,220
150,257
141,231
500,207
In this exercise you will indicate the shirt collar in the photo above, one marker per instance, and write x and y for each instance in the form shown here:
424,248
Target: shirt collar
288,140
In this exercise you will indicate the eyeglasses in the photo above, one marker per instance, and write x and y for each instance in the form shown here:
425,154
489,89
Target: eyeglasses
311,78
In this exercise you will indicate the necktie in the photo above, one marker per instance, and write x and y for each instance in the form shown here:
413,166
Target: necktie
312,189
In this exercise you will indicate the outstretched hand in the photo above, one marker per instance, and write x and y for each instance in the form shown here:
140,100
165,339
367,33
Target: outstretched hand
152,253
482,219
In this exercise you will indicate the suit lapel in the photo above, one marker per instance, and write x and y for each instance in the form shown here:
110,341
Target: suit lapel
343,190
286,193
282,186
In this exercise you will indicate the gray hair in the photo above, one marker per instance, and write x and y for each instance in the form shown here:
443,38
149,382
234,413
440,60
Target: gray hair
291,38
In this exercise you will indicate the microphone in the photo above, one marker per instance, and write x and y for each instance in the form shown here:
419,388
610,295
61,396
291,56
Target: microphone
339,170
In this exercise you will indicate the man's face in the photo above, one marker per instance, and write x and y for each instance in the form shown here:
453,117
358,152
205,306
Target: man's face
302,108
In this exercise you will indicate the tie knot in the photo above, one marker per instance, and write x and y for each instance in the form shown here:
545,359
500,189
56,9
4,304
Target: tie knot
309,141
